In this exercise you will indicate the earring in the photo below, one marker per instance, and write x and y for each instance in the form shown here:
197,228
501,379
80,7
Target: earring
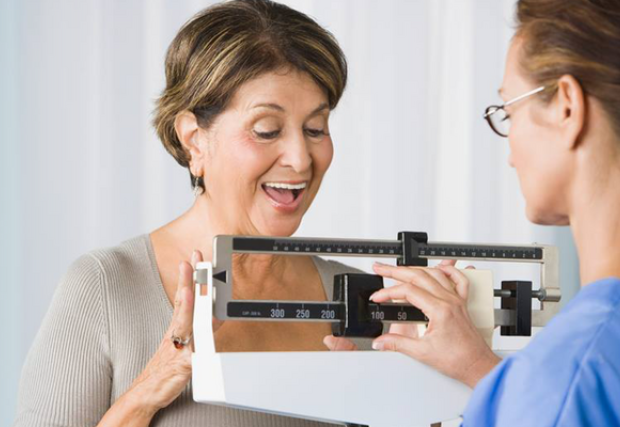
197,189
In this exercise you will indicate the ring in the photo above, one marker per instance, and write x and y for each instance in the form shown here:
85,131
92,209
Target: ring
179,342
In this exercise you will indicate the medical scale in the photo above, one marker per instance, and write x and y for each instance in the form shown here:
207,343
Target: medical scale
379,389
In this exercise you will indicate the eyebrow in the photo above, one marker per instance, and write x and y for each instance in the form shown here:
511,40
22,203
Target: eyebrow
281,109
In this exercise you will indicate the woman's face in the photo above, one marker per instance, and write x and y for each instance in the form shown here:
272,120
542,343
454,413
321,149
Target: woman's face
267,153
535,146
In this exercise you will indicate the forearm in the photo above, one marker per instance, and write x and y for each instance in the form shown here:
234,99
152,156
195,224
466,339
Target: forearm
127,411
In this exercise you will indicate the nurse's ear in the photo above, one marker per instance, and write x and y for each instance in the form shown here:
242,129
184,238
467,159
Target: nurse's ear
188,132
571,110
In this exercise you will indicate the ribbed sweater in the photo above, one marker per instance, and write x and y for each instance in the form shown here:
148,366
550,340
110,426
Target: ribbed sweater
106,320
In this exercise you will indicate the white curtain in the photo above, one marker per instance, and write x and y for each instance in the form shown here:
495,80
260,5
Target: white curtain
81,168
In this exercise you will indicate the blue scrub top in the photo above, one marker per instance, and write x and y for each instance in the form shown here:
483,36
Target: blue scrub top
569,375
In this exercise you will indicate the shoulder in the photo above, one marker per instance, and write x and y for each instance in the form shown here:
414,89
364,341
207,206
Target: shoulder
101,271
131,256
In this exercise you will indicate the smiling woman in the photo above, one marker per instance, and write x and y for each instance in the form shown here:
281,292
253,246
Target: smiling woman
228,45
275,131
249,88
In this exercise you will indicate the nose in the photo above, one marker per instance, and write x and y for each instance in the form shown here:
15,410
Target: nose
296,153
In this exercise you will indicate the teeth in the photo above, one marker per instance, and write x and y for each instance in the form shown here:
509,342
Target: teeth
284,186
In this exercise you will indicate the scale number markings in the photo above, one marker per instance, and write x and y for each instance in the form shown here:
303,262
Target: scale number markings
328,314
377,315
302,313
277,313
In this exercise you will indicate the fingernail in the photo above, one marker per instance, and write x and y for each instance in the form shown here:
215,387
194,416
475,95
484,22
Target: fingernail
377,345
181,267
194,258
371,298
380,264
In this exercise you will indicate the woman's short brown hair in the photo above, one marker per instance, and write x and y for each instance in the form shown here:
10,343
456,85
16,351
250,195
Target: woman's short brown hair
228,44
580,38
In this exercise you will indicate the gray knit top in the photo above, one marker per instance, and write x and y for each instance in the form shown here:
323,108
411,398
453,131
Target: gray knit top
106,320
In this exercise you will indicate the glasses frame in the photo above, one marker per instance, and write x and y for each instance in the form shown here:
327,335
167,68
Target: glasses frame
492,109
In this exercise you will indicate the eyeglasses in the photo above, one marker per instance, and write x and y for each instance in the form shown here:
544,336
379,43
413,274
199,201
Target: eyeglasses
499,119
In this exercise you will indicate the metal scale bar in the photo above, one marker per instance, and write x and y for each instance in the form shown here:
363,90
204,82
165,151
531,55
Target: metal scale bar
329,312
384,248
411,249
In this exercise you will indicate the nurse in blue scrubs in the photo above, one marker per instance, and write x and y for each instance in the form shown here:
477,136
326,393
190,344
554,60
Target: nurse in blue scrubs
561,115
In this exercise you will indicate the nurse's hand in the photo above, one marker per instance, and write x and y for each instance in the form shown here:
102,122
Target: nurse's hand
451,344
343,344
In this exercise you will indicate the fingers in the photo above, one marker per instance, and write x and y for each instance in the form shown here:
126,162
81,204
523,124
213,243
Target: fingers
409,329
441,278
339,344
416,276
414,295
196,258
451,262
461,281
184,303
412,347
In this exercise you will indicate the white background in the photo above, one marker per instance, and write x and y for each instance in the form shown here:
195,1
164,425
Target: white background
81,168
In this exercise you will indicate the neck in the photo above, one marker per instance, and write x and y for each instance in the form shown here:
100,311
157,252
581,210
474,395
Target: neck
196,228
595,222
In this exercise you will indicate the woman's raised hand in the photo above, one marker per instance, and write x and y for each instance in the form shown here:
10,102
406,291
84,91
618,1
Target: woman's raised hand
451,344
168,372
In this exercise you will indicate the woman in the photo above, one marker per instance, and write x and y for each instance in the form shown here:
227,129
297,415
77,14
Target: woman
249,89
562,95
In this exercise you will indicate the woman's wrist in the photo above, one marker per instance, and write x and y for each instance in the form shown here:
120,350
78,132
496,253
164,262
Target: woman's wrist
135,404
140,400
129,411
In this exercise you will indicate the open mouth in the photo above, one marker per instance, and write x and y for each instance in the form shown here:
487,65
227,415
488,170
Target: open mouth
284,194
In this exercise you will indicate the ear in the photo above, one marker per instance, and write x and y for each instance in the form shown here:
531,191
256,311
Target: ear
186,126
571,109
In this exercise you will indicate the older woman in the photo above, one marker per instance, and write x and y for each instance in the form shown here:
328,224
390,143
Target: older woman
562,95
249,89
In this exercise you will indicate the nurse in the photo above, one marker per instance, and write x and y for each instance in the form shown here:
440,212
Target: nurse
561,115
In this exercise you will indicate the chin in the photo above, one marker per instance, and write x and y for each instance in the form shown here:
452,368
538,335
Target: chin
546,217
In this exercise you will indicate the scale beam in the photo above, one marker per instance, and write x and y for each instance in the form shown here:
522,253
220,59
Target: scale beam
410,249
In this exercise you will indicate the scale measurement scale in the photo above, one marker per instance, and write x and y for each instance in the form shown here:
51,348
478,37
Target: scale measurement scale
320,312
382,248
411,249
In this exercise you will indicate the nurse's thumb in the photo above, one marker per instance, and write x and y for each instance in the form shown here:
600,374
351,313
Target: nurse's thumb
398,343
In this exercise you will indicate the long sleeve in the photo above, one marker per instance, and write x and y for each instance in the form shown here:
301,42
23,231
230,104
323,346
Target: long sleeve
67,377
